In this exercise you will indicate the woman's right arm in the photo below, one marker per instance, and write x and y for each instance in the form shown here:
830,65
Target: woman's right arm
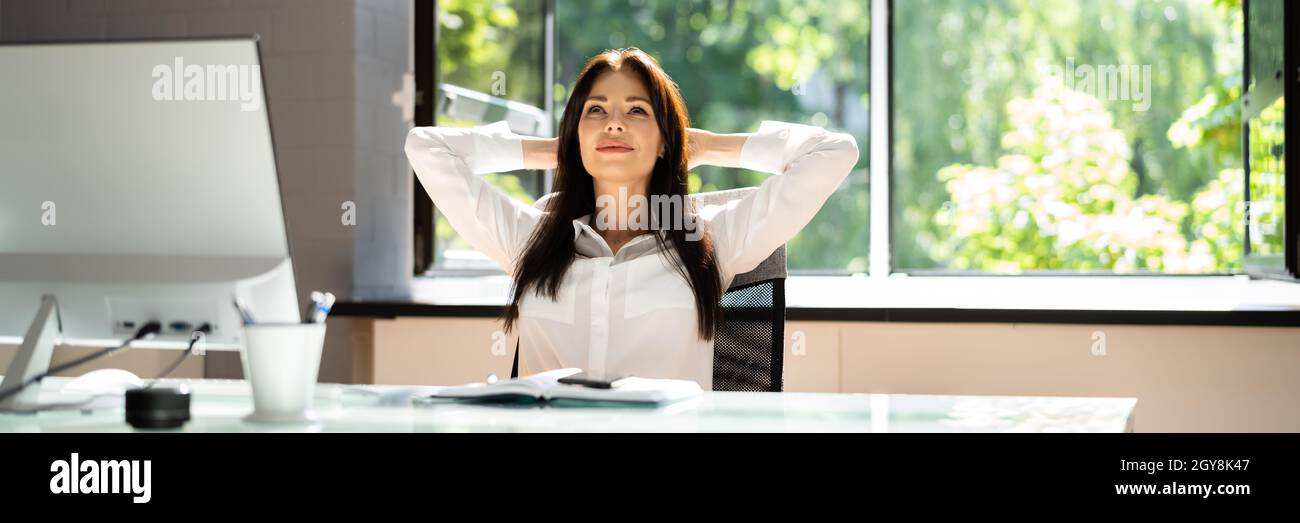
447,162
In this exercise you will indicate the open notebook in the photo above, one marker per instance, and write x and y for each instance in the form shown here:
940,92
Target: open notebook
545,386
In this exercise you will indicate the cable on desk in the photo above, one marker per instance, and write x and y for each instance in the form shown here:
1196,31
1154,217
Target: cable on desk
145,331
206,329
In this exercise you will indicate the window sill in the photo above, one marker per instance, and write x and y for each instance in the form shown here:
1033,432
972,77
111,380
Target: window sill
1153,300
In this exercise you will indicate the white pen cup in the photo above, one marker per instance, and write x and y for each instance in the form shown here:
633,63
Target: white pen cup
281,362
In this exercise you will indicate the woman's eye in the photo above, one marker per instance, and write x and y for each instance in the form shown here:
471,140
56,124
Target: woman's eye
636,109
594,108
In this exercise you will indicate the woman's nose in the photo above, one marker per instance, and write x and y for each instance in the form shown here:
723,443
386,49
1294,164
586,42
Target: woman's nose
614,124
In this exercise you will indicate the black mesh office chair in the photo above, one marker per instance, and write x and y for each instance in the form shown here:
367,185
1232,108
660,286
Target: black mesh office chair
749,340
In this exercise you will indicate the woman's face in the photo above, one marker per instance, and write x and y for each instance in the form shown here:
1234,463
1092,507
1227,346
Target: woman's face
617,132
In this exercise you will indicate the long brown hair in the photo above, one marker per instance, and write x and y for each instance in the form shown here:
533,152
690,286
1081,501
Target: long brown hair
550,249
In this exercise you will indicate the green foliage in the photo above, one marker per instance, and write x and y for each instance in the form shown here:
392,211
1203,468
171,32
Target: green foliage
1062,198
960,65
1267,183
737,62
985,177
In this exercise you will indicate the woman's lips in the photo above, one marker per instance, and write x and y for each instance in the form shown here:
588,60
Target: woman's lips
614,147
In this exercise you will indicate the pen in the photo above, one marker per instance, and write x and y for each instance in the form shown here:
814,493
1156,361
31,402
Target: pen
322,303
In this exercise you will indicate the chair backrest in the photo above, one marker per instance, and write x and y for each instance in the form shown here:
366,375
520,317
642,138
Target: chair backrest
749,339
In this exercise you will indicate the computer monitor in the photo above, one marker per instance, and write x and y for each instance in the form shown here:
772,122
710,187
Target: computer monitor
137,183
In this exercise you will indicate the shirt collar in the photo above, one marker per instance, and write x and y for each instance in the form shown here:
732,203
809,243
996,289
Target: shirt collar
581,224
592,245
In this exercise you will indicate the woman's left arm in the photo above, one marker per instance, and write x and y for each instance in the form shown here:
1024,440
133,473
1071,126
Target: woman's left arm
808,162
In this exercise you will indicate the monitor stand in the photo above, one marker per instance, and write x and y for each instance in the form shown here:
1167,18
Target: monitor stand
33,358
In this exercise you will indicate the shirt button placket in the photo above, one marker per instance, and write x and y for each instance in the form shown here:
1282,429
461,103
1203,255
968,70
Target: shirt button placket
599,333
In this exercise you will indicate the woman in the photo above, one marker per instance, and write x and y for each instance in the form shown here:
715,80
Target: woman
597,285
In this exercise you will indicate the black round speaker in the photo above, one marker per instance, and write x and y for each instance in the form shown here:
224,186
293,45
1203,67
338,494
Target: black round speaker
158,408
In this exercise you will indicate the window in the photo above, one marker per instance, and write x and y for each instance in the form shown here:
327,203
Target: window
1023,136
1063,135
490,66
738,63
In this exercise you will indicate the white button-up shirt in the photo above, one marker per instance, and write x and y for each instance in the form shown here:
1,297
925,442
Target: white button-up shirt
626,313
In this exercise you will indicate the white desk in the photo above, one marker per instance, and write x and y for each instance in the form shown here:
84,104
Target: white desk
219,405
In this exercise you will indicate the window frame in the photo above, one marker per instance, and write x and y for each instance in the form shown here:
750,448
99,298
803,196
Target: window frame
1253,265
892,269
425,233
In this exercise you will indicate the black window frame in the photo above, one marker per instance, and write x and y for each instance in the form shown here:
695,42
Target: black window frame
1290,268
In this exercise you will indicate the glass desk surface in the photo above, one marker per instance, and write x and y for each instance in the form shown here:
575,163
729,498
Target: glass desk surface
220,406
